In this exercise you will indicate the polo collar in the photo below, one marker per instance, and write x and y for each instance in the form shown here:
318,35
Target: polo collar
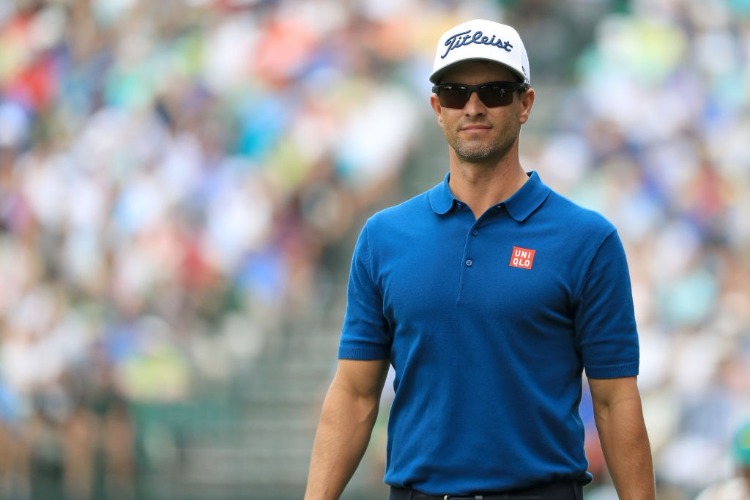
441,198
520,206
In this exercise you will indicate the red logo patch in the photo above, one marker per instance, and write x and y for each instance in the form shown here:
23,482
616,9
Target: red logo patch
522,258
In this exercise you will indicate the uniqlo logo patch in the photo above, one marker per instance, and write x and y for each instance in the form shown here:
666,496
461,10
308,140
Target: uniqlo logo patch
522,258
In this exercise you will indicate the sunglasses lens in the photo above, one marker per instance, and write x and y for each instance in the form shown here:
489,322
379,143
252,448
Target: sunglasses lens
495,95
453,97
491,94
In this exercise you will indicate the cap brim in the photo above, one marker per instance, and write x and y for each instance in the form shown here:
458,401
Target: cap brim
437,75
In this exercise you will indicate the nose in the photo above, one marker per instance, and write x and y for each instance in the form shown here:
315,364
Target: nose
474,105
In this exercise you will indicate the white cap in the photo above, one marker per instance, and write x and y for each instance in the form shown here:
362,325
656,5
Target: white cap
483,40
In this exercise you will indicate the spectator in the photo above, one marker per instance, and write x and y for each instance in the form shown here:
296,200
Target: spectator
738,487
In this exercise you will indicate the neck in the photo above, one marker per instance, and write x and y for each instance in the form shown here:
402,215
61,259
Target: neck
483,186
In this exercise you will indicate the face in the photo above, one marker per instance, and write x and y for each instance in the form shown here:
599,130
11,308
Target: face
477,133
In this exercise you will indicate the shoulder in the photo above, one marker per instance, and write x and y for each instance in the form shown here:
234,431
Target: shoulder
584,216
574,222
542,206
401,213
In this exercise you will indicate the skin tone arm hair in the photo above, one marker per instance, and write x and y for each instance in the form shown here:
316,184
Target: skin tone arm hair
346,422
622,432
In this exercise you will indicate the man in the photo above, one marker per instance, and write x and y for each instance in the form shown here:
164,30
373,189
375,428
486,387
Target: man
489,295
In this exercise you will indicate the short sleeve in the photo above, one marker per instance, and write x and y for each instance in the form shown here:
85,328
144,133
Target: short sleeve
365,333
605,318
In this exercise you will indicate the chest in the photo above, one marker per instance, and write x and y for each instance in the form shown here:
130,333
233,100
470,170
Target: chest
497,268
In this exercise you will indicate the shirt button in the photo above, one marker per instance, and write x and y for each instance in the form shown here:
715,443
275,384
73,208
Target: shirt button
469,262
474,232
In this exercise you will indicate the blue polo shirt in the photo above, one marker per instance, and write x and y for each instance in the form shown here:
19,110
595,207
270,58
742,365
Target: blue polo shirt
489,325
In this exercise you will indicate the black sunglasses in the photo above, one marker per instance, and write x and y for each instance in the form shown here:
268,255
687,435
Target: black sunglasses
492,94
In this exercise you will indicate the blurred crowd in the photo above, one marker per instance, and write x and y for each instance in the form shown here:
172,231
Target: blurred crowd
173,173
170,175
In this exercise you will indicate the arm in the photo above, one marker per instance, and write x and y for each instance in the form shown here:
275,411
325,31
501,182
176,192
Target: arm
346,421
622,432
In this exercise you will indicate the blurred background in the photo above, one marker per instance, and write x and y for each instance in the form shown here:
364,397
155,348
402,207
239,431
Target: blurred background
182,181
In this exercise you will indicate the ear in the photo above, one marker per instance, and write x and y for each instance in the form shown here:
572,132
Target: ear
437,108
527,102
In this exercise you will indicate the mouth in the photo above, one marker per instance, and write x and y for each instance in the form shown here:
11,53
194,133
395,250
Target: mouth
474,127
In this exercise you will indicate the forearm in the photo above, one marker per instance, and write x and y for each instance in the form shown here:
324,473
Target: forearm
344,431
626,448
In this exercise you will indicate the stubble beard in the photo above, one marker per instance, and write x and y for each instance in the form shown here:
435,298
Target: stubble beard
484,150
481,152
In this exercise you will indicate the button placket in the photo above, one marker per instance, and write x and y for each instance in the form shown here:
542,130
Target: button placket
473,232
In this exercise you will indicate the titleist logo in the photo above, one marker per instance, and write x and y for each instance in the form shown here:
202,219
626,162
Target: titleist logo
466,38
